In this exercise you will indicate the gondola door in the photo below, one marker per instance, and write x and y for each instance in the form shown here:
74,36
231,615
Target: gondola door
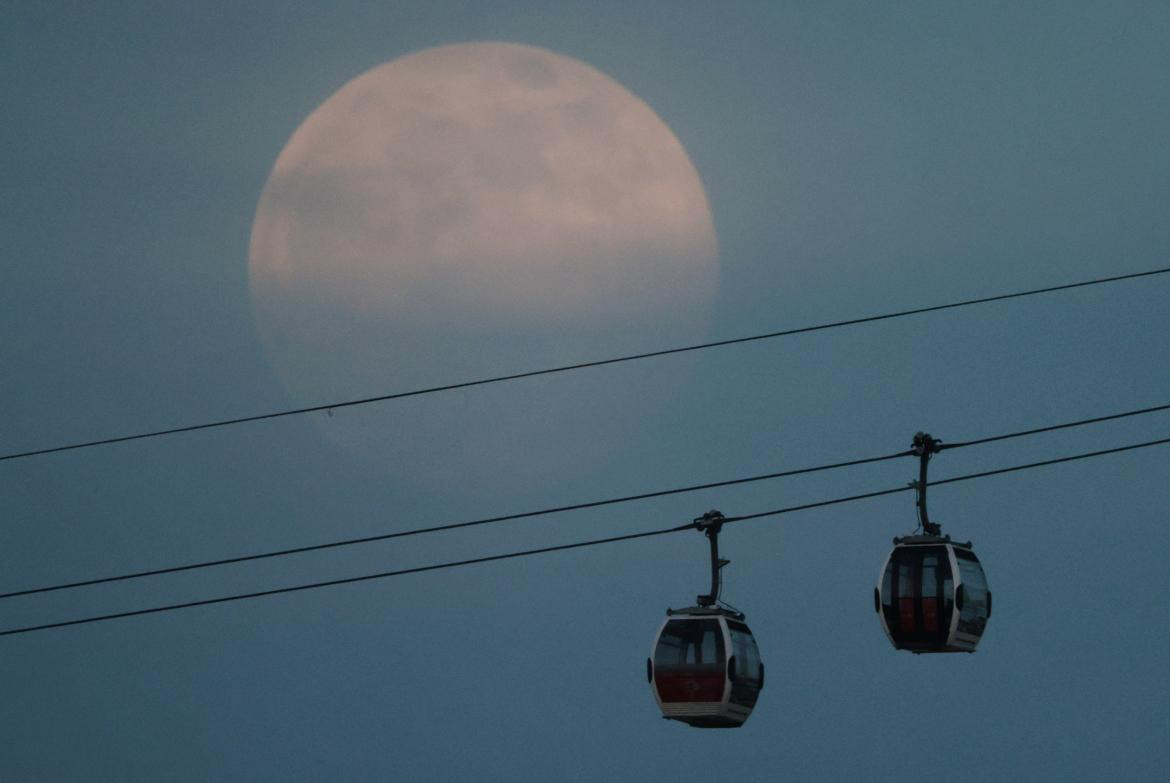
917,595
744,668
689,662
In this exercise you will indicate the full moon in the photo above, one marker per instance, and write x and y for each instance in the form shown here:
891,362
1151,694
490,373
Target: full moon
468,211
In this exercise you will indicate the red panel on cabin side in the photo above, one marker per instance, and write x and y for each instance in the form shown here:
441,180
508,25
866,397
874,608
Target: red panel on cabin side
689,686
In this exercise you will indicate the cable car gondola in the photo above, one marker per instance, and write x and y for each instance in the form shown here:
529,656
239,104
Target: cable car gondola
932,595
705,668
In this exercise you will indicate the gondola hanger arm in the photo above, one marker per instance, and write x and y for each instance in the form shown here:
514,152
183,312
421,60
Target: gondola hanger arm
924,448
710,524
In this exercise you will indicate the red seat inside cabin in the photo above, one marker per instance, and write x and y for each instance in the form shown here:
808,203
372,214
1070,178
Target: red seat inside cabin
906,614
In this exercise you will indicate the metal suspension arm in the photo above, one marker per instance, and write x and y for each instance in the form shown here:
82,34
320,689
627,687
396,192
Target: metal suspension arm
925,446
710,523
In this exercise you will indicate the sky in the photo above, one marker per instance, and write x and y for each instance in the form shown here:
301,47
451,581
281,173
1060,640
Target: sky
857,159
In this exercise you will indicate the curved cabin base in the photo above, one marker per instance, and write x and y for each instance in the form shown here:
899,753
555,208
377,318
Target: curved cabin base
703,715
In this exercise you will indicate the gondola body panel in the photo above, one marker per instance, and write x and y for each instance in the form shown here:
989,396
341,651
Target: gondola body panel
932,596
704,669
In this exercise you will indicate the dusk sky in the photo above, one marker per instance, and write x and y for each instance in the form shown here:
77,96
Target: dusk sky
588,180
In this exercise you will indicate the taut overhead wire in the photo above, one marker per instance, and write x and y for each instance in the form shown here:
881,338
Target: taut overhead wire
580,366
562,547
562,509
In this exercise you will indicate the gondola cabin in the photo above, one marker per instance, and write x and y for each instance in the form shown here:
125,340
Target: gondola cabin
705,668
932,596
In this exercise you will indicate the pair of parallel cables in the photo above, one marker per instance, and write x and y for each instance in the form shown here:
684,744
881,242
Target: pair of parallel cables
572,507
